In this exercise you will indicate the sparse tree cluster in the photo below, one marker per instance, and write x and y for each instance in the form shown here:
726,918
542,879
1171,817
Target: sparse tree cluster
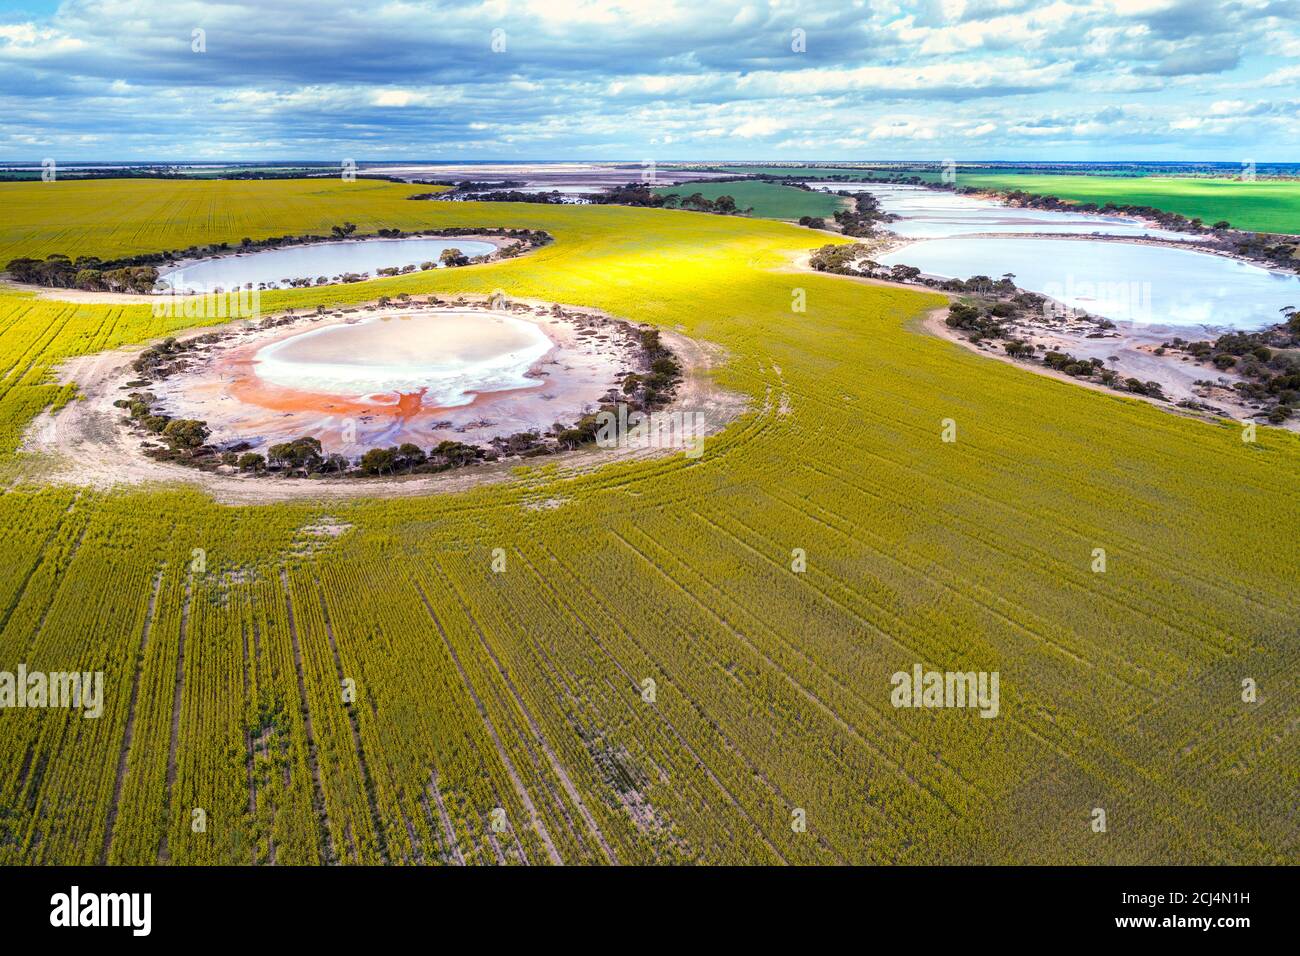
724,205
1267,361
86,272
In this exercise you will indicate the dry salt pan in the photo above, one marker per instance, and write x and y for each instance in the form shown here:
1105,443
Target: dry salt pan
447,357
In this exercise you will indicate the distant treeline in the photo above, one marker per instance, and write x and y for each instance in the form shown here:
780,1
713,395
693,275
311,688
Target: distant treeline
508,190
1277,250
140,273
73,173
500,195
1169,220
642,194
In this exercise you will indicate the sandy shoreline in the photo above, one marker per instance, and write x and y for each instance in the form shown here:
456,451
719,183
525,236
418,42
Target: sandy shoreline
222,386
895,243
179,266
87,444
1194,243
1129,351
1128,348
236,252
1185,246
91,297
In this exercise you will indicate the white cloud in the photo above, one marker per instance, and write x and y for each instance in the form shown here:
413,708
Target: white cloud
27,41
393,98
902,129
1012,72
880,76
758,126
1286,76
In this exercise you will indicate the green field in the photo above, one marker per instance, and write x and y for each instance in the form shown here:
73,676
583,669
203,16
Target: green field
769,200
1264,205
523,690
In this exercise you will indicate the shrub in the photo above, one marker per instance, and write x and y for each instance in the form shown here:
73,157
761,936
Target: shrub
186,434
1224,361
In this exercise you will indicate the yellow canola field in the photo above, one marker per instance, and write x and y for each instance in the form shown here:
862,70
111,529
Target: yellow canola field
505,717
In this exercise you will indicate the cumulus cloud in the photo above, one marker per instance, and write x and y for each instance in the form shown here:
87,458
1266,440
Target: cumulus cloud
95,79
759,126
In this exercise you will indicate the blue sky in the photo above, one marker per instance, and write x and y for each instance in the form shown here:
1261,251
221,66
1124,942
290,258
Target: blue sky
650,79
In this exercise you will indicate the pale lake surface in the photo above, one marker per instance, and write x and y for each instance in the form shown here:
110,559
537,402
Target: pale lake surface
566,189
1126,282
929,214
328,259
447,357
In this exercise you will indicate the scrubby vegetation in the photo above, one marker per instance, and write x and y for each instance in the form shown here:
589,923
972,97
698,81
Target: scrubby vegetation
185,440
1269,361
988,308
85,272
1173,221
986,317
642,194
139,274
507,191
1245,239
751,197
862,217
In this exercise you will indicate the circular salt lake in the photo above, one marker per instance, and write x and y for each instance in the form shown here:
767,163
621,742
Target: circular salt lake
929,214
1123,281
447,358
314,261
